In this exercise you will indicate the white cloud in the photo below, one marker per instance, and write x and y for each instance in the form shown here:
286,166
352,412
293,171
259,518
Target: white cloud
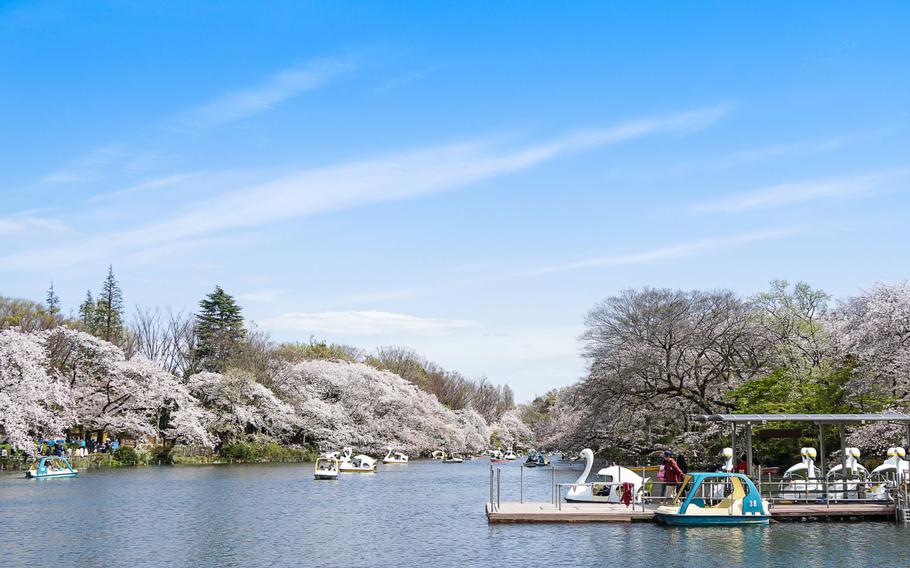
802,148
386,178
24,223
157,183
100,163
806,191
365,323
276,89
669,252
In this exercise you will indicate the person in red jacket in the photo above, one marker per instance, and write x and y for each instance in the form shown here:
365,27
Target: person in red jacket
673,475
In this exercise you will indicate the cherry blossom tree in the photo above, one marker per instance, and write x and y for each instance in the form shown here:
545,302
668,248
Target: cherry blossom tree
344,403
240,406
33,403
511,430
873,329
131,397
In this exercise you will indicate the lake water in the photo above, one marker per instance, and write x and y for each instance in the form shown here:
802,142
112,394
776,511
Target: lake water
424,513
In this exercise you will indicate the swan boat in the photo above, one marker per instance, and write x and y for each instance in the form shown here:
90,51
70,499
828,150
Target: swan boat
326,468
452,458
47,467
438,455
607,485
894,470
355,464
719,498
395,457
801,481
496,456
847,485
510,455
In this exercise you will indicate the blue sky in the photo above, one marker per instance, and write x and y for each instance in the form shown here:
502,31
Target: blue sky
463,178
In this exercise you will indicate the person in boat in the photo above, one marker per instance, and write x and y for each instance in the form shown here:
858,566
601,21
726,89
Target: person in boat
742,465
673,475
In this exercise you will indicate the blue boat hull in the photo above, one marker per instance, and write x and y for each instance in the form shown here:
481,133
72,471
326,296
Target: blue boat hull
55,476
711,520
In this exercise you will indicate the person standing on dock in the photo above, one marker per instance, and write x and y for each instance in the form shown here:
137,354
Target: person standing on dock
673,475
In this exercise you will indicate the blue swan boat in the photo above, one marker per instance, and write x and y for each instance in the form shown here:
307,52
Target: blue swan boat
707,499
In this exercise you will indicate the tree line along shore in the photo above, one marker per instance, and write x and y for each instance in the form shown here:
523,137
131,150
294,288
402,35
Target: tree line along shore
208,386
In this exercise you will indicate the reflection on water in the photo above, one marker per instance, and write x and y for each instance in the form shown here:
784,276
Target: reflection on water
424,513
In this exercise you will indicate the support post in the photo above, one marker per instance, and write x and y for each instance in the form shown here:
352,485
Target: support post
843,460
821,453
733,444
498,487
749,449
521,485
555,489
491,485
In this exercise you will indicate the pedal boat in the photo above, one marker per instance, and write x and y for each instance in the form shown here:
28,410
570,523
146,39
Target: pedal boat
607,485
51,467
326,468
714,499
395,457
356,464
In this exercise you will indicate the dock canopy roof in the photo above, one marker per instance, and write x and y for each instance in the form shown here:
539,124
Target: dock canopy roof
814,418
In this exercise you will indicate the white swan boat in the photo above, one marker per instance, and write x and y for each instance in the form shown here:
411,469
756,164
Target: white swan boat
438,455
607,485
894,470
355,464
452,458
496,456
326,468
847,486
395,457
801,481
510,455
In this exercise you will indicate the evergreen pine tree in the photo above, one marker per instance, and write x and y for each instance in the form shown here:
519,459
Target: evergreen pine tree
109,309
219,330
53,301
87,312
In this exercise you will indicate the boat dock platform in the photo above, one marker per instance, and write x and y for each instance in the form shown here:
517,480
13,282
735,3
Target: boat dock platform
512,512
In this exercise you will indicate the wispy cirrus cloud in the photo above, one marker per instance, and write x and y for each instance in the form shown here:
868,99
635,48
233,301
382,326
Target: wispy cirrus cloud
670,252
99,163
808,191
148,185
24,223
665,253
278,88
370,322
391,177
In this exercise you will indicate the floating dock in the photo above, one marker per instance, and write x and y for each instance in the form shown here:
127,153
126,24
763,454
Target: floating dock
512,512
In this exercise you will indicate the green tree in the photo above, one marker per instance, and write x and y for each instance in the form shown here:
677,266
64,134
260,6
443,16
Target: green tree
109,309
87,312
52,301
219,330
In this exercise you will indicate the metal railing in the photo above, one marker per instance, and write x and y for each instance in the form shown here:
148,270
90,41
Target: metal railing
829,491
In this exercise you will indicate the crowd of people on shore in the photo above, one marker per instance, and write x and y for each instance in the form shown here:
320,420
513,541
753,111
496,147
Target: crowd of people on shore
78,447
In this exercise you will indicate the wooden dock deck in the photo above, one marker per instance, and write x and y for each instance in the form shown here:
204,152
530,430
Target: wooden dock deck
569,513
513,512
833,511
